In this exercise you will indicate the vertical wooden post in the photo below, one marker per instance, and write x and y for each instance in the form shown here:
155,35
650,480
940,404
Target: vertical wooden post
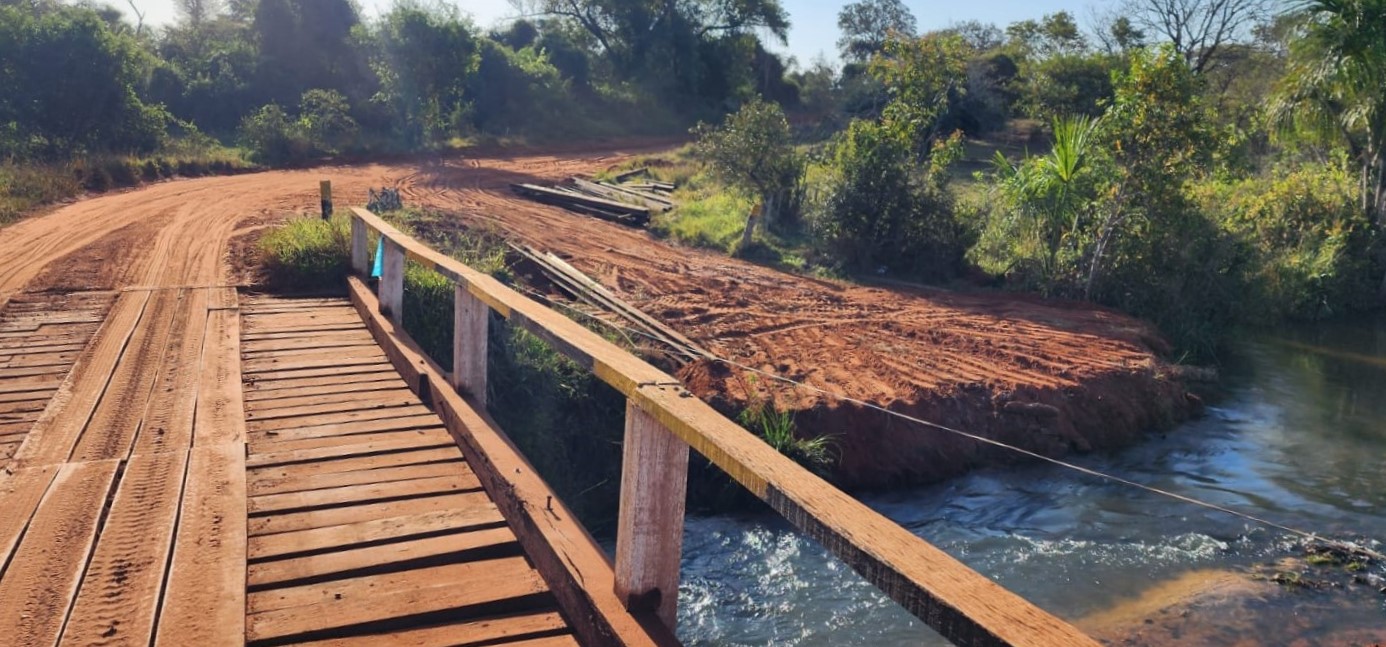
392,282
360,256
649,533
325,187
469,322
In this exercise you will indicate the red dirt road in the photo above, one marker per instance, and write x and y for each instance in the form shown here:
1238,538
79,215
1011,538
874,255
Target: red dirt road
979,362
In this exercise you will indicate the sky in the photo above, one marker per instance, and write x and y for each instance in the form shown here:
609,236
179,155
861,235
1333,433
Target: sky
814,23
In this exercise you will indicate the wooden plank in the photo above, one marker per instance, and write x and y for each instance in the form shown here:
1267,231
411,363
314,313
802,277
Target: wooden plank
454,587
279,424
369,401
546,194
469,337
405,442
204,599
120,591
220,416
258,388
393,459
564,640
649,536
960,603
360,254
362,366
294,334
20,494
37,590
305,346
360,494
260,486
395,556
488,631
381,392
402,423
168,420
116,420
303,543
274,397
284,365
444,499
579,573
391,284
28,396
55,433
335,441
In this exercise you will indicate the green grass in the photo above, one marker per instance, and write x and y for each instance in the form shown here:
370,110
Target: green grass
306,254
28,186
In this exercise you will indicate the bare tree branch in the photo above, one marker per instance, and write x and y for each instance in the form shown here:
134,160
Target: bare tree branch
1198,28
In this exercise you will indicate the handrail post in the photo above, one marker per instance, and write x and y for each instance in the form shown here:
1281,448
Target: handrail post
470,316
649,534
360,256
392,282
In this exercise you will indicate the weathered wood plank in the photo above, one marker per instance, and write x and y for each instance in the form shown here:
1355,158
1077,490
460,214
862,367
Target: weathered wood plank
364,493
649,536
303,543
579,573
335,441
21,493
500,630
204,599
469,336
120,591
355,463
453,587
391,423
405,442
395,556
55,433
168,420
264,485
220,417
38,588
392,282
319,420
443,499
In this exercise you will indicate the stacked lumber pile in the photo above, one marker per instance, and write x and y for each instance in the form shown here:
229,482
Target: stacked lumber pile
602,304
625,203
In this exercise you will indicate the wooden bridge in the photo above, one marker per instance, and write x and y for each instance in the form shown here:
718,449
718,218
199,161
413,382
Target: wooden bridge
191,466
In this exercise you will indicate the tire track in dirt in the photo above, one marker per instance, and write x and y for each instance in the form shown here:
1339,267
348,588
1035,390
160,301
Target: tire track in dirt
955,358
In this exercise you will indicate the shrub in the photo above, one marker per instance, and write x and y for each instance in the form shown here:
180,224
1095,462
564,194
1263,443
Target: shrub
272,137
307,254
1308,237
881,211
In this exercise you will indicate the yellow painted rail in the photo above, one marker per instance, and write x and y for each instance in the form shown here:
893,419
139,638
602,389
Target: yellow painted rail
663,421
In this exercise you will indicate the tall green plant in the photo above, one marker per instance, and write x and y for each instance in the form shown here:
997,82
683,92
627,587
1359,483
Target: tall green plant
753,150
1335,89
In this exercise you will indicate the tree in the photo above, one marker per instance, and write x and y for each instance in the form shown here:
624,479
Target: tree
71,86
677,45
924,77
1197,28
753,150
423,60
1056,34
1336,89
867,25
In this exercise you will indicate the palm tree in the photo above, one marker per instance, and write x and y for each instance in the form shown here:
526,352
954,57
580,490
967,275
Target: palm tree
1336,88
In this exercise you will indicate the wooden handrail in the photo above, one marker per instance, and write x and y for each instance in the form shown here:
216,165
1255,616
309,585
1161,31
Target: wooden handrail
964,606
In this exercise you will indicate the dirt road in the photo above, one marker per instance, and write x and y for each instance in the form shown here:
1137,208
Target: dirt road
1048,376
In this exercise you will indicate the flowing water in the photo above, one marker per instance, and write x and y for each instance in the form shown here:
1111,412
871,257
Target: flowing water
1298,436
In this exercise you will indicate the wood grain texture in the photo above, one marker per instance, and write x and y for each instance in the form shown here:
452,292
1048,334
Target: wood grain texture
579,574
963,605
392,282
649,535
469,336
38,588
204,598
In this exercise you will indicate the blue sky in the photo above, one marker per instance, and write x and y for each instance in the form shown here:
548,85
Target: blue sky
814,27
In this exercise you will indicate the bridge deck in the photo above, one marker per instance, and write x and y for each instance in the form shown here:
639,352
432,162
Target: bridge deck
218,473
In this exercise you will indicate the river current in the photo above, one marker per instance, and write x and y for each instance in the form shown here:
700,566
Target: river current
1297,435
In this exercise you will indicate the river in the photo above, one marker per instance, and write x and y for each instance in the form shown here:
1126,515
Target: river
1297,435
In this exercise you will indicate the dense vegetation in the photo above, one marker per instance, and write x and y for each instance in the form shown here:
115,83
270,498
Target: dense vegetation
1194,162
1218,165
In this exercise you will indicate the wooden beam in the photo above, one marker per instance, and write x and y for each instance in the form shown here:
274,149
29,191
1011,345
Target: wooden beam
963,605
578,572
360,254
470,322
649,535
392,282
